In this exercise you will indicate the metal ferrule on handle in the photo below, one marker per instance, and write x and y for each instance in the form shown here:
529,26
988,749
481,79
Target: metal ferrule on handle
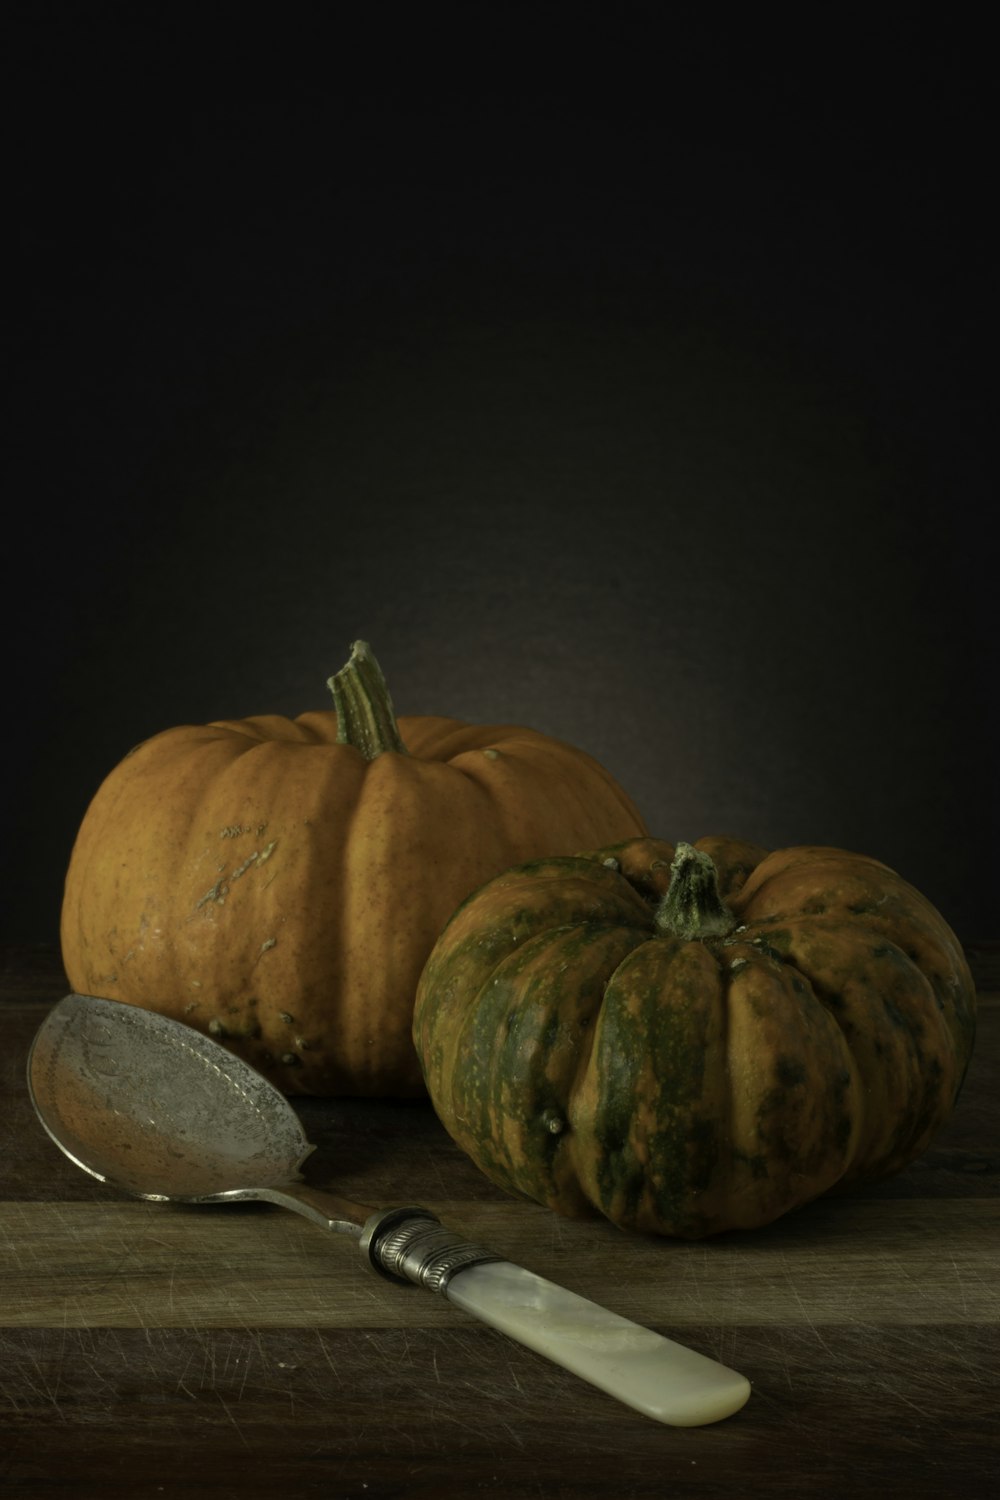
411,1244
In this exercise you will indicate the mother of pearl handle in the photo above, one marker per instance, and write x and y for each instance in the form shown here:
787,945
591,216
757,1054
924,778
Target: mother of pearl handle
651,1373
643,1369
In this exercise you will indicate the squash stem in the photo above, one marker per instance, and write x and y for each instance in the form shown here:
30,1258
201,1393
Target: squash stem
365,717
692,906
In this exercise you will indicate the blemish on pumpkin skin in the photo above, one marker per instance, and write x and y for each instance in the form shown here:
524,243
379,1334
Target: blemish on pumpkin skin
220,890
217,893
767,948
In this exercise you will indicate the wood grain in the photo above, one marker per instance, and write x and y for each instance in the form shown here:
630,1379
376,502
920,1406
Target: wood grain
139,1265
150,1350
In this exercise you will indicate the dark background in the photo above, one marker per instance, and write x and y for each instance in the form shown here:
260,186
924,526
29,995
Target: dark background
609,375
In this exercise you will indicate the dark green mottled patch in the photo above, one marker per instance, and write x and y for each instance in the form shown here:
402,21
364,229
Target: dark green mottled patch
684,1156
667,1031
897,1017
534,1010
621,1049
757,1164
791,1073
887,950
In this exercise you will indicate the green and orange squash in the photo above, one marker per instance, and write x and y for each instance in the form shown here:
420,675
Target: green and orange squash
279,883
694,1039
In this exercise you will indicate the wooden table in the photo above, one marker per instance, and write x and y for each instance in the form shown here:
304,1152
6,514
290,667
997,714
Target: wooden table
150,1350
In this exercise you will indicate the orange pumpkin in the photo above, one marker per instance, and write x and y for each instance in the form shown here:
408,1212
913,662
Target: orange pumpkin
279,883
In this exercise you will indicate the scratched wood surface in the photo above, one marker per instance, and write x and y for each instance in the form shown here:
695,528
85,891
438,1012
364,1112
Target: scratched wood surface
151,1350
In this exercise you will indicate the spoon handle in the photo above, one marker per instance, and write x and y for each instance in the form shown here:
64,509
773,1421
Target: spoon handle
660,1378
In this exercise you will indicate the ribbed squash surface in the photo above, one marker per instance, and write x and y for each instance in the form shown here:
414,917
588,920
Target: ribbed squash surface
589,1060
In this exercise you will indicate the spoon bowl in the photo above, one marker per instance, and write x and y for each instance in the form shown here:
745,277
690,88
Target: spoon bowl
158,1109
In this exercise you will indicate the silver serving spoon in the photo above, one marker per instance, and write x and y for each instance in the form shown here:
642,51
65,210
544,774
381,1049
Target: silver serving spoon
155,1108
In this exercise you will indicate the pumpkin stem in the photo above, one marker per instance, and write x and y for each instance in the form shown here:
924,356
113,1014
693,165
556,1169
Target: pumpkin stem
692,906
365,717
